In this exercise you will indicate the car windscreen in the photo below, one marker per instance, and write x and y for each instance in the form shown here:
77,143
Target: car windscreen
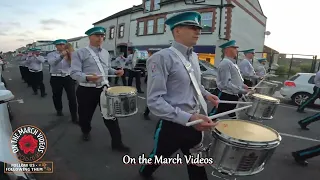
292,78
206,63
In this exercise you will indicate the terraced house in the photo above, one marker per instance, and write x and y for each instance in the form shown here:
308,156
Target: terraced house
142,26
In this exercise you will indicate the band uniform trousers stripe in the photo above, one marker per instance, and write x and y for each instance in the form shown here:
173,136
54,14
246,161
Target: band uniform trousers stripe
156,139
214,110
310,118
315,95
309,152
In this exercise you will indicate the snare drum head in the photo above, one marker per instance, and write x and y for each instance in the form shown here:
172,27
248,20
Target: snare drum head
265,97
209,77
117,90
246,131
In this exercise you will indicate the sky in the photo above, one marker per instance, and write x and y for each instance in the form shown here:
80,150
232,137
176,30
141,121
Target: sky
293,25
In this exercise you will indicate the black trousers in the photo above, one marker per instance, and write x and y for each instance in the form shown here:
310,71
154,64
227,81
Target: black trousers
68,84
311,99
146,111
123,78
36,79
146,79
88,98
27,75
248,82
224,107
168,141
4,82
22,73
308,152
308,120
137,76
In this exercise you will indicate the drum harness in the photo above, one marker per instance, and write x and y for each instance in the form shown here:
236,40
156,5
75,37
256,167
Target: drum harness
199,98
104,84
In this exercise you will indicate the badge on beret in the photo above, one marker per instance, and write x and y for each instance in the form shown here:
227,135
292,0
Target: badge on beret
196,20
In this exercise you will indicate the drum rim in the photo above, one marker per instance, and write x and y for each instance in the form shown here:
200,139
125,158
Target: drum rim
127,93
275,99
240,141
267,82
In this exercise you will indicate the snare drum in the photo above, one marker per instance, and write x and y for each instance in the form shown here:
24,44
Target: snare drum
242,148
263,107
209,82
267,88
121,101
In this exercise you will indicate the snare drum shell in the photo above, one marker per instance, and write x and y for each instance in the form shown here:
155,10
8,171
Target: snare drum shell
262,109
267,88
237,160
208,82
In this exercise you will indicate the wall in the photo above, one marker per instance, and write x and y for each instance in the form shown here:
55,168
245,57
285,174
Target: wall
111,44
248,28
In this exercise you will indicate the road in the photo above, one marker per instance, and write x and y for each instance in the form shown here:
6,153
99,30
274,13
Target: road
77,160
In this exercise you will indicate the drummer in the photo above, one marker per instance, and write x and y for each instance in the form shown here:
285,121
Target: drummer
171,95
230,84
86,64
259,68
247,69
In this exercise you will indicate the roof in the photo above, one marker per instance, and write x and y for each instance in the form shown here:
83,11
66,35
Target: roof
76,38
121,13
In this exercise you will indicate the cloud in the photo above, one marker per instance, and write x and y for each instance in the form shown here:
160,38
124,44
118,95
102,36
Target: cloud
14,24
3,33
81,13
47,28
23,40
52,22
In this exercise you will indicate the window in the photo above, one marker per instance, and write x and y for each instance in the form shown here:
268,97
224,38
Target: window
206,21
150,27
293,78
156,5
160,25
147,5
141,28
111,33
121,31
311,80
76,44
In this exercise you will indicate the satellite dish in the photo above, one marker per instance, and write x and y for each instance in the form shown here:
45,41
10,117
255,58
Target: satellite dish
267,33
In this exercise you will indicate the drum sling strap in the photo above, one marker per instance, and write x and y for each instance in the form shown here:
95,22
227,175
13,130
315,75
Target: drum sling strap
103,98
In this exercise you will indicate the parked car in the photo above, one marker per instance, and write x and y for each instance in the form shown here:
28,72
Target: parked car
299,88
207,68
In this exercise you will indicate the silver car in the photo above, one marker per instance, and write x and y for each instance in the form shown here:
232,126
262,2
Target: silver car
207,68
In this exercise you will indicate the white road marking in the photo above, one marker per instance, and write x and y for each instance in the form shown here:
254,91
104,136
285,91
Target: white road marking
299,137
10,79
141,97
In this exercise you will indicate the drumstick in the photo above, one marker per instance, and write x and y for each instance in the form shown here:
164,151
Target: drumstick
217,115
257,87
234,102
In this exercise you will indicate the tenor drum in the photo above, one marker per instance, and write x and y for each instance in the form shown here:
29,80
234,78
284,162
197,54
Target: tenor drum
208,82
122,101
266,88
242,148
263,107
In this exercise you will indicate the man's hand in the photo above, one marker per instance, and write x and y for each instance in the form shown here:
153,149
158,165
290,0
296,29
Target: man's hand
64,53
93,77
120,72
207,123
213,99
245,87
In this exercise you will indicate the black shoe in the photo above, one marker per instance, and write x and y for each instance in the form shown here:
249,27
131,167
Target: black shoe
303,127
59,113
86,137
145,177
43,94
298,160
75,120
300,111
121,148
35,93
140,92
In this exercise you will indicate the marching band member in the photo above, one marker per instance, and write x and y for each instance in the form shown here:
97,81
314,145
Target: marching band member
314,96
302,155
308,120
119,63
90,66
21,61
247,69
24,68
230,84
133,73
171,94
259,68
35,61
60,64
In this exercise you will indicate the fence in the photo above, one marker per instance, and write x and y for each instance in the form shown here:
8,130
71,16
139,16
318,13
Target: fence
286,65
